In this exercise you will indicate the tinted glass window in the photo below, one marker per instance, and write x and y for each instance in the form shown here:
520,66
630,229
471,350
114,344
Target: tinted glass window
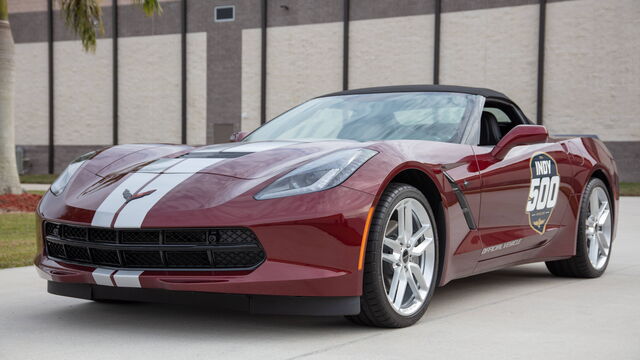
499,114
391,116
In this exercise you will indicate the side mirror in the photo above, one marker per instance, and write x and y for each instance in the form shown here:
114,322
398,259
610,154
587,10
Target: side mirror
238,136
520,135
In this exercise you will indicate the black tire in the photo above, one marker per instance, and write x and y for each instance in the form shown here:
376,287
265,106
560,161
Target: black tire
375,309
579,265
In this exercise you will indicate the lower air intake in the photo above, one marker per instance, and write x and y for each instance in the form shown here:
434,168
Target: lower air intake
218,248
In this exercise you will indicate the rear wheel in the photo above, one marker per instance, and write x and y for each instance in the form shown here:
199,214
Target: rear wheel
595,232
401,260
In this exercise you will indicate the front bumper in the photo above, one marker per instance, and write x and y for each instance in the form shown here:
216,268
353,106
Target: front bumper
256,304
312,248
270,278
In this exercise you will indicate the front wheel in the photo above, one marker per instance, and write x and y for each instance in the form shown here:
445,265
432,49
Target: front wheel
595,232
401,260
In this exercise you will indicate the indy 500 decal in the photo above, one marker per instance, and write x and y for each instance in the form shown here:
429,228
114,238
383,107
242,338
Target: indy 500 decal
543,193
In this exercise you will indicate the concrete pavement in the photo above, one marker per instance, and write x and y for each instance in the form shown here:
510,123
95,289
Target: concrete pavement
517,313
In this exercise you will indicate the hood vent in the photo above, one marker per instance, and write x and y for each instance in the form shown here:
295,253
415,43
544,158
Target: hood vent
214,155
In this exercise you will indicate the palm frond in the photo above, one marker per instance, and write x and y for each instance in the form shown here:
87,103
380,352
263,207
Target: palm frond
84,17
4,10
150,7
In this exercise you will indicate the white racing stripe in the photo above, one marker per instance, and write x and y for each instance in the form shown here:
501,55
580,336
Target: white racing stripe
103,216
133,214
102,276
159,165
105,213
127,278
190,166
122,278
107,210
259,146
214,148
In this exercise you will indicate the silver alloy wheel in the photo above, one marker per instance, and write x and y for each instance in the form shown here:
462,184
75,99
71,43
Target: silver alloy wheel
598,228
408,256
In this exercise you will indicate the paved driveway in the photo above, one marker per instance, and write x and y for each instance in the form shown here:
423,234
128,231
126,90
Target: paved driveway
522,312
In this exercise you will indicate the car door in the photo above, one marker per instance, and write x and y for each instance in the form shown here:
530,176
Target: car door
524,195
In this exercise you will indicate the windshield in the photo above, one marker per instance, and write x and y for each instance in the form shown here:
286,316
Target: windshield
388,116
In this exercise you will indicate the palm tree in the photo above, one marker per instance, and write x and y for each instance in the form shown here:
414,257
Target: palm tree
84,17
9,181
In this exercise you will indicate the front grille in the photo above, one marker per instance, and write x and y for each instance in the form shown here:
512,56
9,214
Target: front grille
102,235
140,237
220,248
75,233
186,237
52,229
225,259
55,249
143,258
77,253
105,257
187,258
237,236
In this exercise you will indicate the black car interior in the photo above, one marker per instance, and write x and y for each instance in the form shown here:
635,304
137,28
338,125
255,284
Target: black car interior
490,132
498,118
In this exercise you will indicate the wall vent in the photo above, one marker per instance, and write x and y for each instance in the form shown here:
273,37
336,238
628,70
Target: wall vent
225,13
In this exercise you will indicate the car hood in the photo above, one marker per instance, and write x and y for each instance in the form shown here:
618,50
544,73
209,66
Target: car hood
239,160
122,186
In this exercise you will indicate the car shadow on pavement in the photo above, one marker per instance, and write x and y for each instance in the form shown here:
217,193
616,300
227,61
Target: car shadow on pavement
203,321
491,287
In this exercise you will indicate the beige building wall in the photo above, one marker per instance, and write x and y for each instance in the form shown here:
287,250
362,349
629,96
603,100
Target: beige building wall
32,94
592,68
149,89
494,48
83,94
18,6
21,6
303,61
132,2
391,51
250,94
196,88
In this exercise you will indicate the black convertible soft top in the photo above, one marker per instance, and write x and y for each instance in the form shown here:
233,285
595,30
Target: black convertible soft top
488,93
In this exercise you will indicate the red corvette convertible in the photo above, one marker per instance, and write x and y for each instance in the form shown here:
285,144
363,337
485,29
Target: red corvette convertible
357,203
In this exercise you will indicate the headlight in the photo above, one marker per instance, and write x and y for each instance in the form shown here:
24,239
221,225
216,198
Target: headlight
318,175
61,182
